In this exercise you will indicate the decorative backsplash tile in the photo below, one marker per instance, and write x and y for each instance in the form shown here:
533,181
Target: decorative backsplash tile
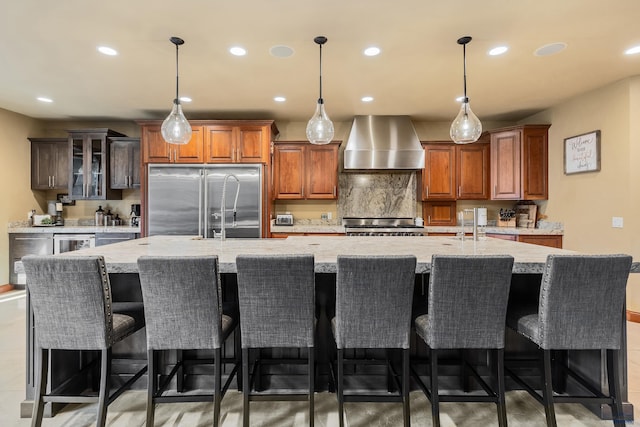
377,194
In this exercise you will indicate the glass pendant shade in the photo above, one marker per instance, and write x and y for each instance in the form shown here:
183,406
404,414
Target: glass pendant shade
176,128
466,127
320,127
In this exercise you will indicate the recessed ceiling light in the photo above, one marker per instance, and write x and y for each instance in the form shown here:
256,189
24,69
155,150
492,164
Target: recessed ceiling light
367,98
107,51
550,49
372,51
44,99
499,50
185,99
632,51
279,99
238,51
281,51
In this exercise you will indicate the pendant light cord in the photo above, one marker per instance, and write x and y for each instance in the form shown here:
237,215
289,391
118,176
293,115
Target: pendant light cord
177,101
464,66
320,100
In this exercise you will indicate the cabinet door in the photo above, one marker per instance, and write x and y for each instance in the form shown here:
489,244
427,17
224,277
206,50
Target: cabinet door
191,152
506,180
108,238
134,180
473,171
288,171
49,164
219,144
439,177
120,164
439,213
252,145
60,167
321,168
535,164
154,148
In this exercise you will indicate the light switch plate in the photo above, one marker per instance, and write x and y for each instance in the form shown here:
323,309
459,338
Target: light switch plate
617,222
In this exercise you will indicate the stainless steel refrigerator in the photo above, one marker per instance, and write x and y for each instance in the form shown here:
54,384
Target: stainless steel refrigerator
188,200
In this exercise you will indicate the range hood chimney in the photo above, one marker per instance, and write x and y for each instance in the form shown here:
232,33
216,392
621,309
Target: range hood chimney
383,142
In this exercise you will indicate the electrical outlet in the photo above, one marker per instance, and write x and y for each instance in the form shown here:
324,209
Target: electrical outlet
329,215
617,222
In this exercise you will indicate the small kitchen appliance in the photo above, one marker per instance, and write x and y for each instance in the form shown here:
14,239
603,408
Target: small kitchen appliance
284,219
134,216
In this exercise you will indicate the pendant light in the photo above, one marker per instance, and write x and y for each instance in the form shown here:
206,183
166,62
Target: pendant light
320,127
175,128
466,127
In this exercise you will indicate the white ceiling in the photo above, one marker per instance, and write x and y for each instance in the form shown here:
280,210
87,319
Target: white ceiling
49,49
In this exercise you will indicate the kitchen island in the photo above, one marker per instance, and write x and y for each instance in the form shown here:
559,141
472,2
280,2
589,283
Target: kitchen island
529,264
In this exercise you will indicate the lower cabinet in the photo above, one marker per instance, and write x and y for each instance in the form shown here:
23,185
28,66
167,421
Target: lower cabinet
553,240
21,244
108,238
285,235
439,213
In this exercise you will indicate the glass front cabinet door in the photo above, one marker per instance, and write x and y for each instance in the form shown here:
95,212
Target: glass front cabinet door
89,160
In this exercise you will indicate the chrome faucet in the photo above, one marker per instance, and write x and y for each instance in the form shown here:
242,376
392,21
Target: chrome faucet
223,208
475,222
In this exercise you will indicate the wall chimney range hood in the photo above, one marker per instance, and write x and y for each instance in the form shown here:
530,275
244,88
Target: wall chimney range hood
383,142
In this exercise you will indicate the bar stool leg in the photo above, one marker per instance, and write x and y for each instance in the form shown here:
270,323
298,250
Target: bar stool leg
502,407
614,388
152,385
463,371
406,411
180,372
42,371
547,389
245,387
435,401
217,386
312,387
340,385
103,398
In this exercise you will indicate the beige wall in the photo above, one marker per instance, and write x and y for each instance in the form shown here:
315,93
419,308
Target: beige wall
16,197
586,202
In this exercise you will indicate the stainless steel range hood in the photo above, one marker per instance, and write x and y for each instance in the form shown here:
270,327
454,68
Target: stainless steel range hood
383,142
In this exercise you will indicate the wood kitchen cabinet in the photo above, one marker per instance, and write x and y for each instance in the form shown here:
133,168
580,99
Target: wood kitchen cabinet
238,143
439,213
89,157
49,163
519,159
305,171
125,162
21,244
108,238
551,240
156,150
455,172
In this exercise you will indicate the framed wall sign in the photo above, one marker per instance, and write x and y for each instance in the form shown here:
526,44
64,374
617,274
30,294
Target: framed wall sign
582,153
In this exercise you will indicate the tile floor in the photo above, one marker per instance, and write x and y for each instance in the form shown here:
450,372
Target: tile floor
129,409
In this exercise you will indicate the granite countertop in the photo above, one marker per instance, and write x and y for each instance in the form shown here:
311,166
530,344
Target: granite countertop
122,257
88,229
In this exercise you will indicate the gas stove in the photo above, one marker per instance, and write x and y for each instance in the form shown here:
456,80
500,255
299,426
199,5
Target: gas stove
367,226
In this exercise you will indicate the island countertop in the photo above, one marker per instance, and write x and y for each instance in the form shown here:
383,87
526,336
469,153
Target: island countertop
121,257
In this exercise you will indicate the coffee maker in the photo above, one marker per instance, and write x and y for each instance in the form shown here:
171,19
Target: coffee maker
134,217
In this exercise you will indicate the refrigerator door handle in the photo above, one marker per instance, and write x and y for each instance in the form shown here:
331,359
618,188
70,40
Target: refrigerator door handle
203,183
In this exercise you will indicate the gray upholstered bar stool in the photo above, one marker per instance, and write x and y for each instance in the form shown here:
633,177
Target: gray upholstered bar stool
71,300
183,310
467,307
373,311
581,307
277,302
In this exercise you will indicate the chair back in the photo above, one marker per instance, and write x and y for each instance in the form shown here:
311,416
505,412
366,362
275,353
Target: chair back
71,301
467,304
581,301
373,301
181,297
276,296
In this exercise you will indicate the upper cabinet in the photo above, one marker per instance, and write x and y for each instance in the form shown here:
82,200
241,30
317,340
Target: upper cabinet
519,156
125,162
49,163
156,150
212,141
455,172
90,164
305,171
